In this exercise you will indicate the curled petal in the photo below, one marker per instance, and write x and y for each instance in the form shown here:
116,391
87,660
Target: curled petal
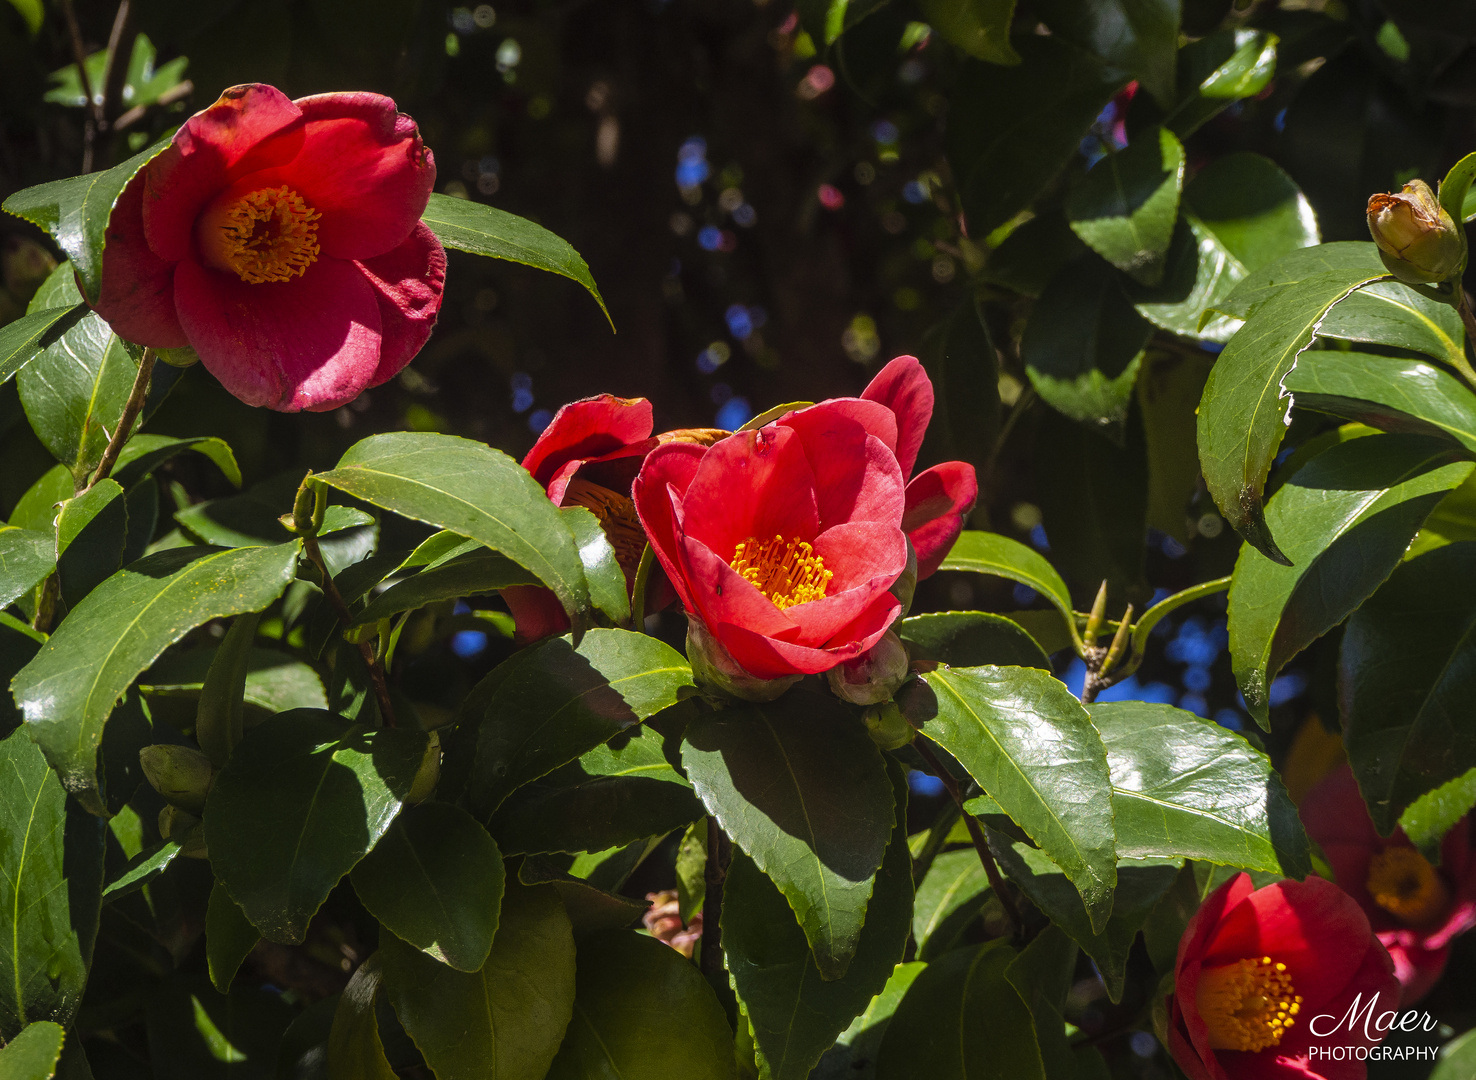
536,613
938,501
722,595
904,387
586,429
856,473
137,295
408,283
770,658
657,492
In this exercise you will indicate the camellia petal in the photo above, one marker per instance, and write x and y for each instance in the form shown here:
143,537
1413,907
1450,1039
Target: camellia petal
755,484
137,294
904,387
856,475
588,429
770,658
938,501
408,282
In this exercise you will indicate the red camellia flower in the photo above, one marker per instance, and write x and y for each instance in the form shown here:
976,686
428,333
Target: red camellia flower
282,241
1415,908
1265,977
786,541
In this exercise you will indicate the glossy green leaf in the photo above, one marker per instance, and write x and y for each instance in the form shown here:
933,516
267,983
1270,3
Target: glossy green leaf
951,895
254,517
90,531
29,336
355,1051
794,1013
1242,415
50,893
475,491
229,937
1345,519
970,638
504,1022
1183,787
607,585
1032,747
1457,185
1046,102
1126,206
36,509
962,1020
1457,1058
1298,268
642,1012
1385,392
68,691
485,230
33,1054
1140,37
800,787
435,879
142,454
75,212
474,573
302,800
1407,675
1084,343
854,1055
553,702
1218,70
1042,975
140,870
980,28
990,553
1426,820
26,557
1391,313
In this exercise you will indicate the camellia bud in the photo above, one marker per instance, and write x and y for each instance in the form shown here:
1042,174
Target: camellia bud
714,667
1419,242
874,676
887,726
906,583
180,774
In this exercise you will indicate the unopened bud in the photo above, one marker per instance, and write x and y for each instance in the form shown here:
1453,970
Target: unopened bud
887,726
182,357
906,583
185,829
180,774
714,667
1419,242
874,676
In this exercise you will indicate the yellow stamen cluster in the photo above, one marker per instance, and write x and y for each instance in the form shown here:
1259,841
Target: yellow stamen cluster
269,234
617,516
1247,1005
787,572
1407,887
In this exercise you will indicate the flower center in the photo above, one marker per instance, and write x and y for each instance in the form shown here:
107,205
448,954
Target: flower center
787,572
617,516
269,234
1407,887
1247,1005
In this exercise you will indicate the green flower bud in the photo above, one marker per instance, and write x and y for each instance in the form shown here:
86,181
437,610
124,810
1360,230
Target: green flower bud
1419,242
185,829
713,667
180,774
874,676
906,583
887,726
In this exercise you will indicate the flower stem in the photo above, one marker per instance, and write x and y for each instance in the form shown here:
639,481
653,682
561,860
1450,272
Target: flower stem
638,590
976,834
131,409
314,553
715,872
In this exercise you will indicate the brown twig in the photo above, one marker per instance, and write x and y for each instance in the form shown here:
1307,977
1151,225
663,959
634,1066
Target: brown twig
714,874
118,59
94,108
976,834
131,409
314,553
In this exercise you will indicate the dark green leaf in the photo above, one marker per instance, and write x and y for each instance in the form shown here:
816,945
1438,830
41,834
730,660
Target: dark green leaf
485,230
18,646
221,719
802,789
691,869
1169,388
32,1055
1126,206
26,558
1456,185
90,530
1426,820
50,892
1391,313
1407,674
960,359
143,519
1385,392
474,573
937,1030
275,681
475,491
1031,255
590,908
1345,519
970,638
1042,975
29,336
1140,37
1218,70
854,1055
68,691
1242,414
980,28
354,1046
1183,787
197,1034
951,896
303,798
1084,342
435,879
504,1022
550,703
229,937
990,553
140,870
253,517
642,1012
1031,746
142,454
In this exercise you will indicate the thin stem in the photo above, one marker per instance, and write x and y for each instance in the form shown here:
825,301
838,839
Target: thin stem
115,66
314,553
94,109
638,590
136,398
46,604
976,834
1463,306
714,873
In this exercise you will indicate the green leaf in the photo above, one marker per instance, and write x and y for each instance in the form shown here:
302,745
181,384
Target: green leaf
435,880
26,558
36,509
474,573
275,681
221,719
980,28
970,638
1385,392
50,892
75,390
1011,129
1218,70
1032,747
29,336
1426,820
142,454
1183,787
90,531
142,84
1125,208
1391,313
794,1013
800,787
1407,670
229,937
1031,255
951,895
140,870
1242,414
590,908
937,1030
854,1055
354,1046
33,1054
607,587
1456,185
18,646
67,693
1168,390
1042,975
504,1022
959,357
990,553
475,491
642,1012
303,798
254,518
1457,1058
1309,265
197,1034
1084,343
553,702
485,230
1345,518
1140,37
32,12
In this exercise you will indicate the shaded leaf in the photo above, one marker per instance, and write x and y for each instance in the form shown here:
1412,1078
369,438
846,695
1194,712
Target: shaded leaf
355,1051
229,937
969,639
951,895
1218,70
473,573
90,531
854,1055
33,1054
1126,206
980,28
960,359
1042,975
142,454
29,336
197,1034
1169,388
590,908
140,870
1140,37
